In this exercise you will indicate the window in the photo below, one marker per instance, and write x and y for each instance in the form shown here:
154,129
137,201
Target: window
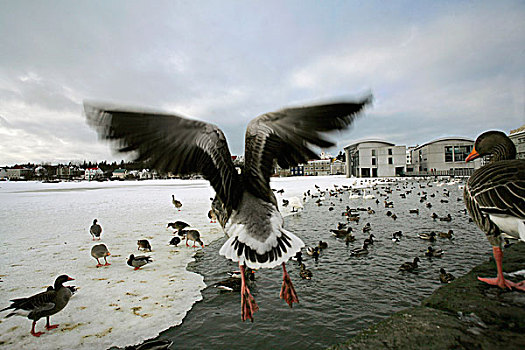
373,161
461,153
374,153
390,160
390,151
448,154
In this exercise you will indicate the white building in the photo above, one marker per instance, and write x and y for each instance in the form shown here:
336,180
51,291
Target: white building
375,158
93,173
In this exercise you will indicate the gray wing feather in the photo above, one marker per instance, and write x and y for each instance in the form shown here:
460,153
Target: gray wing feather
170,143
288,136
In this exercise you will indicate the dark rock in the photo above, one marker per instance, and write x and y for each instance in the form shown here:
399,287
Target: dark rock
464,314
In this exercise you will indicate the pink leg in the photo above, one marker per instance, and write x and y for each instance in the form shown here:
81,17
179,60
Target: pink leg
50,326
248,304
500,281
33,333
287,289
106,264
98,263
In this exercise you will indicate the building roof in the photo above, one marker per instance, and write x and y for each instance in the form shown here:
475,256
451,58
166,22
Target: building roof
369,140
451,138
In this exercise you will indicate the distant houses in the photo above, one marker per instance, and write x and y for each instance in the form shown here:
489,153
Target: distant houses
365,158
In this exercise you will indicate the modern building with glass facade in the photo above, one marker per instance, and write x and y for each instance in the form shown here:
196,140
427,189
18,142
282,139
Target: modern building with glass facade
444,156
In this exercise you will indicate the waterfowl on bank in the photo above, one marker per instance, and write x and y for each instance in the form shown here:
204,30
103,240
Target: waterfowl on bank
176,203
257,238
100,251
212,216
138,261
495,197
195,236
175,241
409,266
144,245
445,277
178,225
305,273
44,304
95,230
434,253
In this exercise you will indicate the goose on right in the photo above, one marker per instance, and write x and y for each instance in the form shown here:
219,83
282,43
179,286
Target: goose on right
495,197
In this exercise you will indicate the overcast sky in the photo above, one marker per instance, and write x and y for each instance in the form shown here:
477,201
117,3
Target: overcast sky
435,68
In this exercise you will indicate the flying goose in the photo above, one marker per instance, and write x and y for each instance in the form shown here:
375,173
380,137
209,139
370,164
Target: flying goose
169,142
43,304
495,197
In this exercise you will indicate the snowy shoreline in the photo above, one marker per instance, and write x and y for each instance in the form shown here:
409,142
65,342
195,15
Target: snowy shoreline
45,233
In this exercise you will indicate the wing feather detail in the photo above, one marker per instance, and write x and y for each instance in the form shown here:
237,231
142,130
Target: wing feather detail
170,142
287,136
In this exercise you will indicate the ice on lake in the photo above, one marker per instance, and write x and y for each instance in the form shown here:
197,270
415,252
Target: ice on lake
45,233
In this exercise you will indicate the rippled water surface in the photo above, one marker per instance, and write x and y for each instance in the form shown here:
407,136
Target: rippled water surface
346,294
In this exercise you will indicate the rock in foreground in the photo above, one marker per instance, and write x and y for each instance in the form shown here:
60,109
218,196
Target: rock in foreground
465,314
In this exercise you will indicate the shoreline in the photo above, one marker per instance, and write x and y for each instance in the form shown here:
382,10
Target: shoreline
465,314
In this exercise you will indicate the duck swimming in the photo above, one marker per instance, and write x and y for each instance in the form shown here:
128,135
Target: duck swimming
445,277
409,266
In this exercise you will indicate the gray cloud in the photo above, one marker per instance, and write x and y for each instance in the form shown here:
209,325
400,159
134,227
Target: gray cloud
435,68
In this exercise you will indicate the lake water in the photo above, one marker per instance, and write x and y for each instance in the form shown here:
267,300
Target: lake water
346,294
44,233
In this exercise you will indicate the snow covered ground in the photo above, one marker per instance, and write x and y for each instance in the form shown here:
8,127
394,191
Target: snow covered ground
44,233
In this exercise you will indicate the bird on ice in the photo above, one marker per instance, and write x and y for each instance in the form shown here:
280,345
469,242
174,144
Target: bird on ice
249,211
43,304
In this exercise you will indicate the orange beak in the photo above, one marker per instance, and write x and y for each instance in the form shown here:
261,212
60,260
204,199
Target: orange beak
473,155
70,279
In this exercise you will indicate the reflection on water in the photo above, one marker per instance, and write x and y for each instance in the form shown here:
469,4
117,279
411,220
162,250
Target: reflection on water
346,294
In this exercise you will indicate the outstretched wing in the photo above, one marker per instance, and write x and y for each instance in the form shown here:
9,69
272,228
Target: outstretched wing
288,136
170,143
